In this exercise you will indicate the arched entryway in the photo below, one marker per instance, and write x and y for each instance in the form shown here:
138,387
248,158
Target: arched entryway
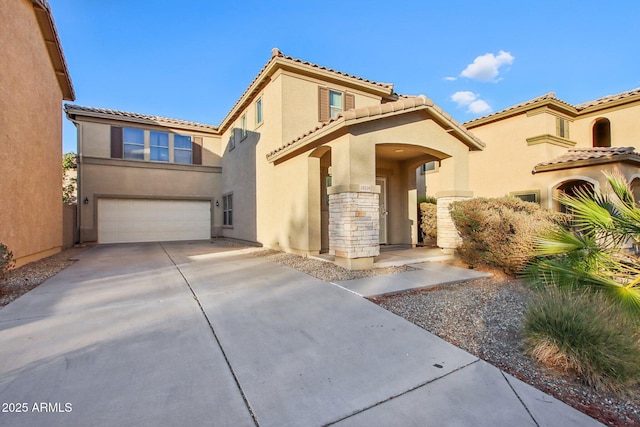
572,187
396,165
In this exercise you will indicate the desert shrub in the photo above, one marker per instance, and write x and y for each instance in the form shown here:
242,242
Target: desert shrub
500,232
428,220
6,260
585,334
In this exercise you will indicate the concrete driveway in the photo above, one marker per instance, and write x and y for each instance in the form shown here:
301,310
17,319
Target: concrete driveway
203,334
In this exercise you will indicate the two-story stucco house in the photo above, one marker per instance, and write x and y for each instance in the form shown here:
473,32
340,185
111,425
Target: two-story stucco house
308,160
546,145
312,160
34,80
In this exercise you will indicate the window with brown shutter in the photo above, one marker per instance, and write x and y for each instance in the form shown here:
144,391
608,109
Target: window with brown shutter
333,102
116,142
197,150
323,104
349,101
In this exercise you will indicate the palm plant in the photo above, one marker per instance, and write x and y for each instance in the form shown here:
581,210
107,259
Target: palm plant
591,253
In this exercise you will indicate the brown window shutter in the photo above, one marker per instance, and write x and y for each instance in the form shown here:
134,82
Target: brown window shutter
349,101
196,150
323,104
116,142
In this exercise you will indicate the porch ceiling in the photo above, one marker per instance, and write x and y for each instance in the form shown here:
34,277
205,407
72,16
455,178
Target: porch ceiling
401,152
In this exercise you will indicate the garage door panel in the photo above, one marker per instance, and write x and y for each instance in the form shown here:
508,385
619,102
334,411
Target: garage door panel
146,220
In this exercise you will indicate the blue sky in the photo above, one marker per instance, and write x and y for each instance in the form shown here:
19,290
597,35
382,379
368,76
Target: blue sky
193,59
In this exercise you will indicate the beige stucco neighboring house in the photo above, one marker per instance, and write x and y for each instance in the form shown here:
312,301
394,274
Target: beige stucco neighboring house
308,160
34,80
545,145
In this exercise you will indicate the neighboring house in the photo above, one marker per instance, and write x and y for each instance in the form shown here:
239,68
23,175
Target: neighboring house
308,160
313,160
545,145
34,80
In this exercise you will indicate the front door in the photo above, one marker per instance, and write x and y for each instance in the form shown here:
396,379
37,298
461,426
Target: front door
384,213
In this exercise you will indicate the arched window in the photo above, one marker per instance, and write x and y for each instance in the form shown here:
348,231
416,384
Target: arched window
602,133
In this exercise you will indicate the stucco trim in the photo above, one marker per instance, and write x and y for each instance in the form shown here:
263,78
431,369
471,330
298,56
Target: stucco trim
454,193
149,165
353,188
551,139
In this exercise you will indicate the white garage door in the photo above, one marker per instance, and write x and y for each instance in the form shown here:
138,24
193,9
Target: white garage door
141,220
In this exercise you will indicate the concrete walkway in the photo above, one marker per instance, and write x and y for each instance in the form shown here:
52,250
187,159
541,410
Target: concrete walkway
198,334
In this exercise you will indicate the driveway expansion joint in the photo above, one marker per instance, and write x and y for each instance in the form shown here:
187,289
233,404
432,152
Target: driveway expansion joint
390,398
215,336
520,399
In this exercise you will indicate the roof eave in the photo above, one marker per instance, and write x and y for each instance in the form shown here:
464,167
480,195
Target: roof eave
438,116
54,48
72,113
611,104
279,62
621,158
553,104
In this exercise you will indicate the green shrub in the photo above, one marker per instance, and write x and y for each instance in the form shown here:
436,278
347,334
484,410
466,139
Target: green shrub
585,334
500,232
427,199
428,220
6,260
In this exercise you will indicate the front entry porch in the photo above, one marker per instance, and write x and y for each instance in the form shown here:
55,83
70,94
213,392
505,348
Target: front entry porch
398,255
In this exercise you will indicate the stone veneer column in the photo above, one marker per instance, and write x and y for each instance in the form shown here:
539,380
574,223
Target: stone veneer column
354,228
448,236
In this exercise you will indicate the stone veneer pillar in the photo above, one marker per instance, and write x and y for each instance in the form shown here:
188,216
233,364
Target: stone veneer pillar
448,236
354,228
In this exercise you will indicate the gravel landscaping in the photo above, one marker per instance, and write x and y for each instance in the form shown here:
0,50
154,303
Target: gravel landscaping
482,316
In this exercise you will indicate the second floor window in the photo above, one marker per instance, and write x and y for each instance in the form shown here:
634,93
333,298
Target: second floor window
159,144
335,103
133,142
182,149
332,102
259,111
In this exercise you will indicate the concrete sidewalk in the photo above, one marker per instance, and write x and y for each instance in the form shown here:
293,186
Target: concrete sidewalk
196,334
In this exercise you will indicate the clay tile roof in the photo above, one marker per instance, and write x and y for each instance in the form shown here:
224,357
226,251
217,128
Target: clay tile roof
551,96
275,52
581,154
607,99
402,105
76,109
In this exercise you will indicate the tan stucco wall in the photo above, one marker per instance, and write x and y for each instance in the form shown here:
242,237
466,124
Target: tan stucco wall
195,182
625,126
31,134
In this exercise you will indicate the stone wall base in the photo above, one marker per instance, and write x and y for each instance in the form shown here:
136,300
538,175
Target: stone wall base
448,236
354,225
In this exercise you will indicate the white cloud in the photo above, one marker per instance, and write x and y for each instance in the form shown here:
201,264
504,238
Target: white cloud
451,79
464,98
479,106
468,99
485,68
